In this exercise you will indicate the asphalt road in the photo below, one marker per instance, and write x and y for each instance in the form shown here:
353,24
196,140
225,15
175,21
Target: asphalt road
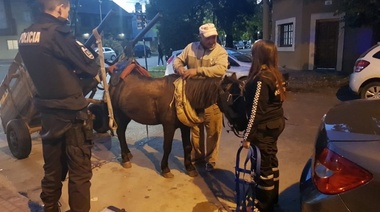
141,188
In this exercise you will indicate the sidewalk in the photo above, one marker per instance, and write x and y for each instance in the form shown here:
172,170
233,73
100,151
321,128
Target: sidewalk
140,188
10,199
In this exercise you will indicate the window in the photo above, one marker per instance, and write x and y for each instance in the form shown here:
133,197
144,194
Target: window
285,34
12,44
7,24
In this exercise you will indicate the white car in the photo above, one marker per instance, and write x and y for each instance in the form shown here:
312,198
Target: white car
109,53
237,62
365,80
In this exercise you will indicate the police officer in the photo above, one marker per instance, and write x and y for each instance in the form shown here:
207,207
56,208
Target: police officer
264,94
58,65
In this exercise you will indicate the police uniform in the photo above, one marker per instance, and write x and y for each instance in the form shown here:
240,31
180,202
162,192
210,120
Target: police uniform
58,65
264,106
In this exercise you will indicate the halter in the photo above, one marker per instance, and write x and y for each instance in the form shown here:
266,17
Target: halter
227,104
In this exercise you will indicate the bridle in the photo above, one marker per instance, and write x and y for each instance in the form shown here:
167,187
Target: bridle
229,102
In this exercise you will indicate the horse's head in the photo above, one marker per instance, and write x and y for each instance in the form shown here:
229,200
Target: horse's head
232,103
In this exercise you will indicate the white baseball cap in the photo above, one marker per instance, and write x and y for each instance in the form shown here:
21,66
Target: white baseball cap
208,30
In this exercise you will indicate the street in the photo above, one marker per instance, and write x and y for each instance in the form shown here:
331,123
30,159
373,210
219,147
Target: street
142,188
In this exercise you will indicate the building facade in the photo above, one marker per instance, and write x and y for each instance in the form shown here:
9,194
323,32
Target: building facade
310,35
85,16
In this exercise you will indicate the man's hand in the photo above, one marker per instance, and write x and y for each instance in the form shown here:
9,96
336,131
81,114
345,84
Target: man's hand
180,71
189,73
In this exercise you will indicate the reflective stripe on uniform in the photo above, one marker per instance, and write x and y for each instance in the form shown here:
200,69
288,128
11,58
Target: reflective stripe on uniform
265,188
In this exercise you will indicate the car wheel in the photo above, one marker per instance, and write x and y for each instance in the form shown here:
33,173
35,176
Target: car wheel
18,137
370,91
113,57
149,54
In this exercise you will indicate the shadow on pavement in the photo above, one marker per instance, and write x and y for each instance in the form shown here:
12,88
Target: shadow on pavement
345,94
221,182
288,201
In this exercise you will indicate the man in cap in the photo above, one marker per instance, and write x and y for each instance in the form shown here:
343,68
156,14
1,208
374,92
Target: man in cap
204,58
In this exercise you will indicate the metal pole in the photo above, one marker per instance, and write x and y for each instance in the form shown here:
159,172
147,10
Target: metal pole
128,49
146,67
146,61
100,10
91,40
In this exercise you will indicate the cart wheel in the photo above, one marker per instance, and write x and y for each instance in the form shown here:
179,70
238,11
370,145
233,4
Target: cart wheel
101,117
18,137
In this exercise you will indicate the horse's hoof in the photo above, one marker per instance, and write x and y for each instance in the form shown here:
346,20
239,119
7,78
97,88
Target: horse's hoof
193,173
129,155
127,164
168,175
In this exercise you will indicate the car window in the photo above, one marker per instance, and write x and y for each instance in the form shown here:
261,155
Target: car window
232,62
107,49
239,56
377,55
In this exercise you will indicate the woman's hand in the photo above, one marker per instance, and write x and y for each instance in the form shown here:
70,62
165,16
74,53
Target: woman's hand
246,144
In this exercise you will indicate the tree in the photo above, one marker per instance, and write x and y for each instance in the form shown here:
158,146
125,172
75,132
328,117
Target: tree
181,19
234,16
179,24
362,13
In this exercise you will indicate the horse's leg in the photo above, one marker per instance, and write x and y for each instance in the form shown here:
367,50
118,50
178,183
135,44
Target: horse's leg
185,135
168,142
122,123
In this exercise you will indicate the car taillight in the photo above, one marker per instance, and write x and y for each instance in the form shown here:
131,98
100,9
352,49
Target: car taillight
360,65
334,174
170,59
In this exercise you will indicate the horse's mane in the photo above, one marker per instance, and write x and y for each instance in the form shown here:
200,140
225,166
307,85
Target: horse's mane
202,93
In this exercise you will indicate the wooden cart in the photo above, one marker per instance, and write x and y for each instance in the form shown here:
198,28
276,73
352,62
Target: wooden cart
19,117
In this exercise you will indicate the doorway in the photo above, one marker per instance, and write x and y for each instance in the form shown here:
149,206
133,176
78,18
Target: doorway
326,44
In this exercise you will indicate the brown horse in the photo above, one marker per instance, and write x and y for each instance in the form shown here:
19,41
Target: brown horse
149,101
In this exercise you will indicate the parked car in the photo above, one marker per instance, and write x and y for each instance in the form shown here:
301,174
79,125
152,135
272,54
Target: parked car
365,80
238,63
344,171
109,53
239,45
248,44
139,51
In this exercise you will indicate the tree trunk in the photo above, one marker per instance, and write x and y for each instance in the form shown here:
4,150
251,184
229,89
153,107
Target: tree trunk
266,14
229,41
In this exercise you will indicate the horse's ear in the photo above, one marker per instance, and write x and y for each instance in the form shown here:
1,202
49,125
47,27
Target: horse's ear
233,76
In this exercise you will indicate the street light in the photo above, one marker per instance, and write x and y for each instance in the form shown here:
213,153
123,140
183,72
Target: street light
121,36
100,10
86,35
